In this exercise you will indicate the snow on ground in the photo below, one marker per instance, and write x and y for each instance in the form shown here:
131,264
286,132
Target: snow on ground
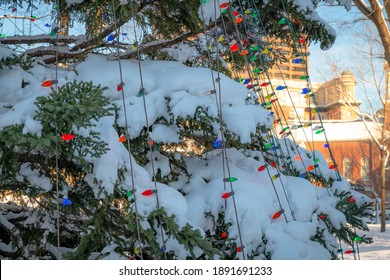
379,249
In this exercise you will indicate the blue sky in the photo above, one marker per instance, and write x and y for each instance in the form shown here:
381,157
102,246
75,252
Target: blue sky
347,51
343,44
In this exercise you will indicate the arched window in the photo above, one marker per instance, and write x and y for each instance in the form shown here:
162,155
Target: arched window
364,169
347,168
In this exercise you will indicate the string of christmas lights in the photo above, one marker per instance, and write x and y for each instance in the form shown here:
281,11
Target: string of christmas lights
150,142
220,143
126,139
271,146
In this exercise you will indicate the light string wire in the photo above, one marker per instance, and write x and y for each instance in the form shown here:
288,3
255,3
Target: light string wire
129,147
150,141
327,190
249,72
340,246
208,46
223,144
253,6
301,124
357,244
273,185
277,99
295,40
57,138
305,68
315,104
274,138
258,86
273,90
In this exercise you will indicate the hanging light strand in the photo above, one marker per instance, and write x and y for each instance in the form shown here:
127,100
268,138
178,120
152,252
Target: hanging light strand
127,137
57,138
150,143
298,44
273,139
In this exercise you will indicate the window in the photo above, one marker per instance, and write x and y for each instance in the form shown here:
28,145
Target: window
364,169
296,77
347,168
292,114
279,75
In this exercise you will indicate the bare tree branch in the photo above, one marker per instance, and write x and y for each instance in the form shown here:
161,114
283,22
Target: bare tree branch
363,8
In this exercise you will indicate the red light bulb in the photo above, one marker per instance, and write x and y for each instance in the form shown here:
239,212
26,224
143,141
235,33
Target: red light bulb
49,83
311,167
227,194
277,214
261,168
67,137
224,5
149,192
234,48
122,138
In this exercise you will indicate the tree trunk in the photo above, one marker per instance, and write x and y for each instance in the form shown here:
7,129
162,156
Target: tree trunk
386,124
383,191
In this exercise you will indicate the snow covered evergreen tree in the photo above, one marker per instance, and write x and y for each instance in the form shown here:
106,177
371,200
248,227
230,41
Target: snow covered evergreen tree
158,160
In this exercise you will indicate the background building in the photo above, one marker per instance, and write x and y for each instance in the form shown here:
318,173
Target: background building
356,154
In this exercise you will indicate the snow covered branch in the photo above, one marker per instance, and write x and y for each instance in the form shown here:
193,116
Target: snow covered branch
156,45
29,40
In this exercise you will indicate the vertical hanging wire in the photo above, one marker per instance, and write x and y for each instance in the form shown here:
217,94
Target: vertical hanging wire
292,136
273,138
15,21
270,176
295,38
268,77
208,45
340,247
357,244
129,148
223,144
150,143
31,16
57,136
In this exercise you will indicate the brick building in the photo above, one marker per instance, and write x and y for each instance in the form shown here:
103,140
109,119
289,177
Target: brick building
356,154
354,150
